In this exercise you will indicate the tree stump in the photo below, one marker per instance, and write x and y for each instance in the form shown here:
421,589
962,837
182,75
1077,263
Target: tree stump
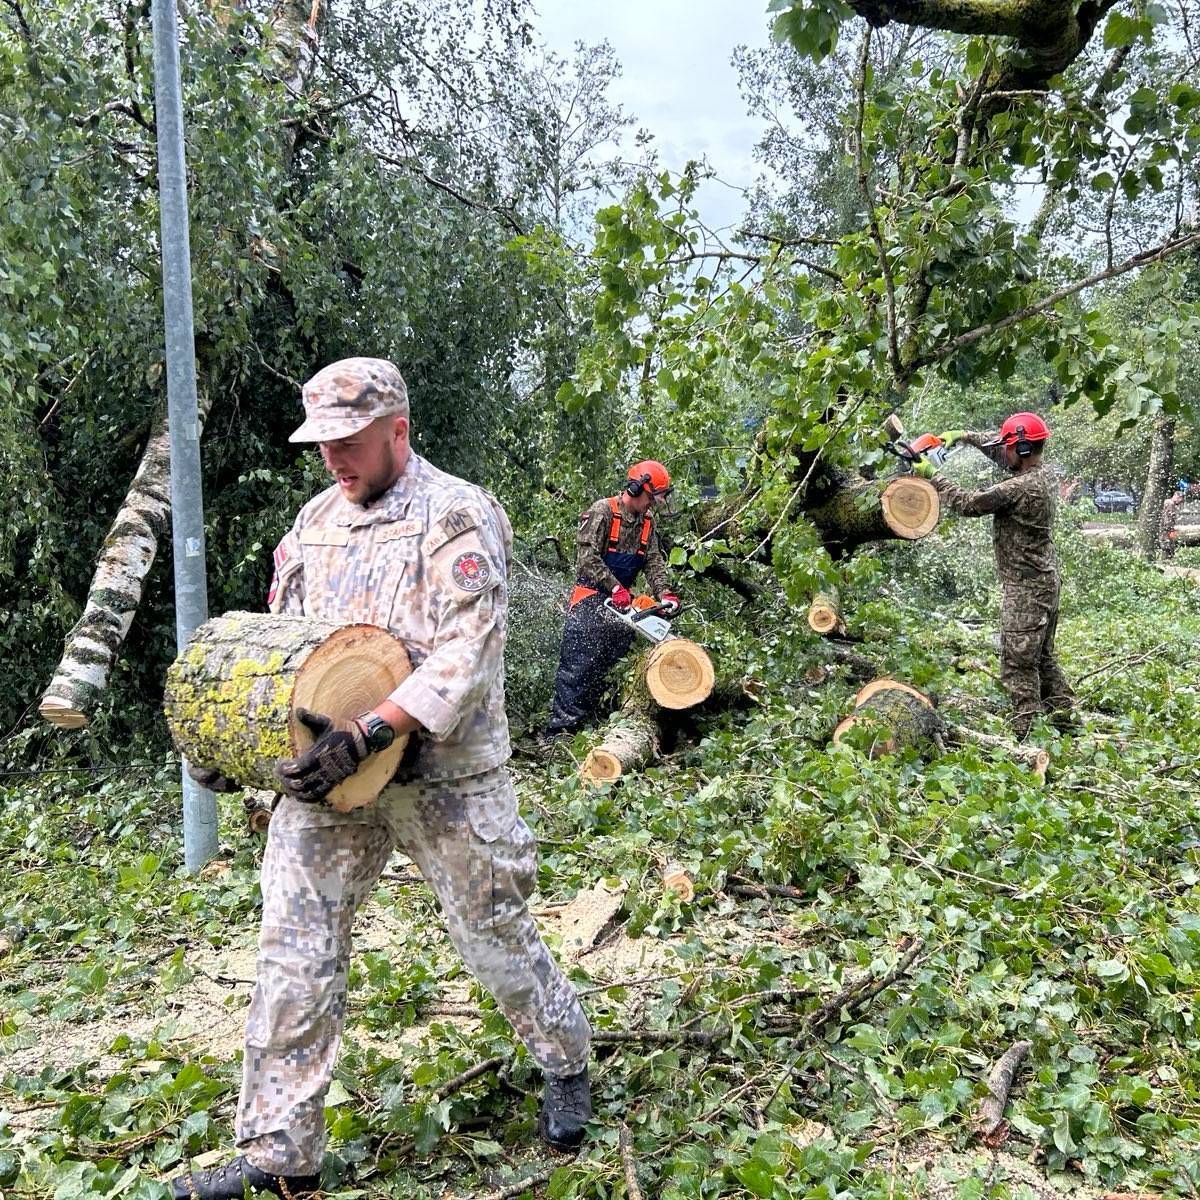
232,694
889,716
825,614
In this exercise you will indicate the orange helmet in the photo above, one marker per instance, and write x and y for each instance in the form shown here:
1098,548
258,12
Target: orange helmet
648,474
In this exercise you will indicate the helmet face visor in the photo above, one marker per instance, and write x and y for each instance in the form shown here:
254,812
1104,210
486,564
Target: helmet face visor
664,499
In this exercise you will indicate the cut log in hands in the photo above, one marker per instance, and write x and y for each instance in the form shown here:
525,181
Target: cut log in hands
992,1127
232,695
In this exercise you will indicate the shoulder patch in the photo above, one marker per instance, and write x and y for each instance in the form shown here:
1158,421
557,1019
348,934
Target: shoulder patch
471,571
454,523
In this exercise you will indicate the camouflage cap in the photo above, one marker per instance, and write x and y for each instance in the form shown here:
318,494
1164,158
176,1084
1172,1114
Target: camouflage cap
347,396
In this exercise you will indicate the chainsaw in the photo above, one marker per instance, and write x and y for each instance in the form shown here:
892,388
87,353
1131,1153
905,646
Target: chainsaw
645,617
911,452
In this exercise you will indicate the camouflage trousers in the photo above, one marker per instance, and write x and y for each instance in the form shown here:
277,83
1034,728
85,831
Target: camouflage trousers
480,859
1029,669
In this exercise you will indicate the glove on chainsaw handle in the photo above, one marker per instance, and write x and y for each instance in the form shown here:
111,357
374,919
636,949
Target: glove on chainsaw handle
670,605
330,760
622,598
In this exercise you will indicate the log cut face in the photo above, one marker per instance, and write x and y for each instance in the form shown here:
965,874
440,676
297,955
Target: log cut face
678,673
629,743
848,510
825,614
232,695
889,716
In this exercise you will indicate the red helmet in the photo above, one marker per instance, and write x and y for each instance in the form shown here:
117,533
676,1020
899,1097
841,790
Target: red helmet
1023,427
649,473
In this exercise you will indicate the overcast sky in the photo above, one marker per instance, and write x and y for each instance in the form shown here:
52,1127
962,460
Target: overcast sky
678,80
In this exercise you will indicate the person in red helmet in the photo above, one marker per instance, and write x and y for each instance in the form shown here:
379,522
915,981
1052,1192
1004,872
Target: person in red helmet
615,543
1022,510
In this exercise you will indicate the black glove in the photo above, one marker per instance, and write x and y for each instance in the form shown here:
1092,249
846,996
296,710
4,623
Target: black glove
211,778
332,758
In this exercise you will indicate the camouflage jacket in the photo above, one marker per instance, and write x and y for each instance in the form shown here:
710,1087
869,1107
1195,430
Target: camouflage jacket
1022,509
428,560
591,542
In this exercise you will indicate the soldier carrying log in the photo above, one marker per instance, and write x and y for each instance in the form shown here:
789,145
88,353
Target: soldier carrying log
1022,510
398,543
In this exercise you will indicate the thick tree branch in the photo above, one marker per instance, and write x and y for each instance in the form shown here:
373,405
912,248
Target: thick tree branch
1136,261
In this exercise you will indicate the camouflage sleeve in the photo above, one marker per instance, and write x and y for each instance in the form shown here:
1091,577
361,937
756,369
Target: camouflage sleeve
590,543
287,583
468,595
978,439
656,567
998,498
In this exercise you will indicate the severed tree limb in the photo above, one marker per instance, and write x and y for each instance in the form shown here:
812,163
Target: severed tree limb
990,1122
625,1145
468,1076
1033,758
116,587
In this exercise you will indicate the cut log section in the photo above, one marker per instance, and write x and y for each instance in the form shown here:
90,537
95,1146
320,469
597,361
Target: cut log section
889,716
825,614
678,674
629,742
232,695
856,510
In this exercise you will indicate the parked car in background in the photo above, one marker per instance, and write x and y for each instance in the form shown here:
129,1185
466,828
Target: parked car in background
1111,500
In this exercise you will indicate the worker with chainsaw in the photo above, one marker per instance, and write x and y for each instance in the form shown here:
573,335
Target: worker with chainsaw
398,543
1022,510
615,543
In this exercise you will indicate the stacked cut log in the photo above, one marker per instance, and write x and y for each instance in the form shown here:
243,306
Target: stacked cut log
890,716
233,693
674,675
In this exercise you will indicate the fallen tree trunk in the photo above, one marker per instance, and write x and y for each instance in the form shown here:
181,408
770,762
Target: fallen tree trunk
825,613
849,511
232,695
670,677
630,741
1125,536
889,716
116,588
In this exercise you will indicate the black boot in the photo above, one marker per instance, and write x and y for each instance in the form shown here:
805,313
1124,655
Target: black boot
566,1109
231,1182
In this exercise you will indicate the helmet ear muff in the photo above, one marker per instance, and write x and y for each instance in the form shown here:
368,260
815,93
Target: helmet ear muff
1024,446
635,487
